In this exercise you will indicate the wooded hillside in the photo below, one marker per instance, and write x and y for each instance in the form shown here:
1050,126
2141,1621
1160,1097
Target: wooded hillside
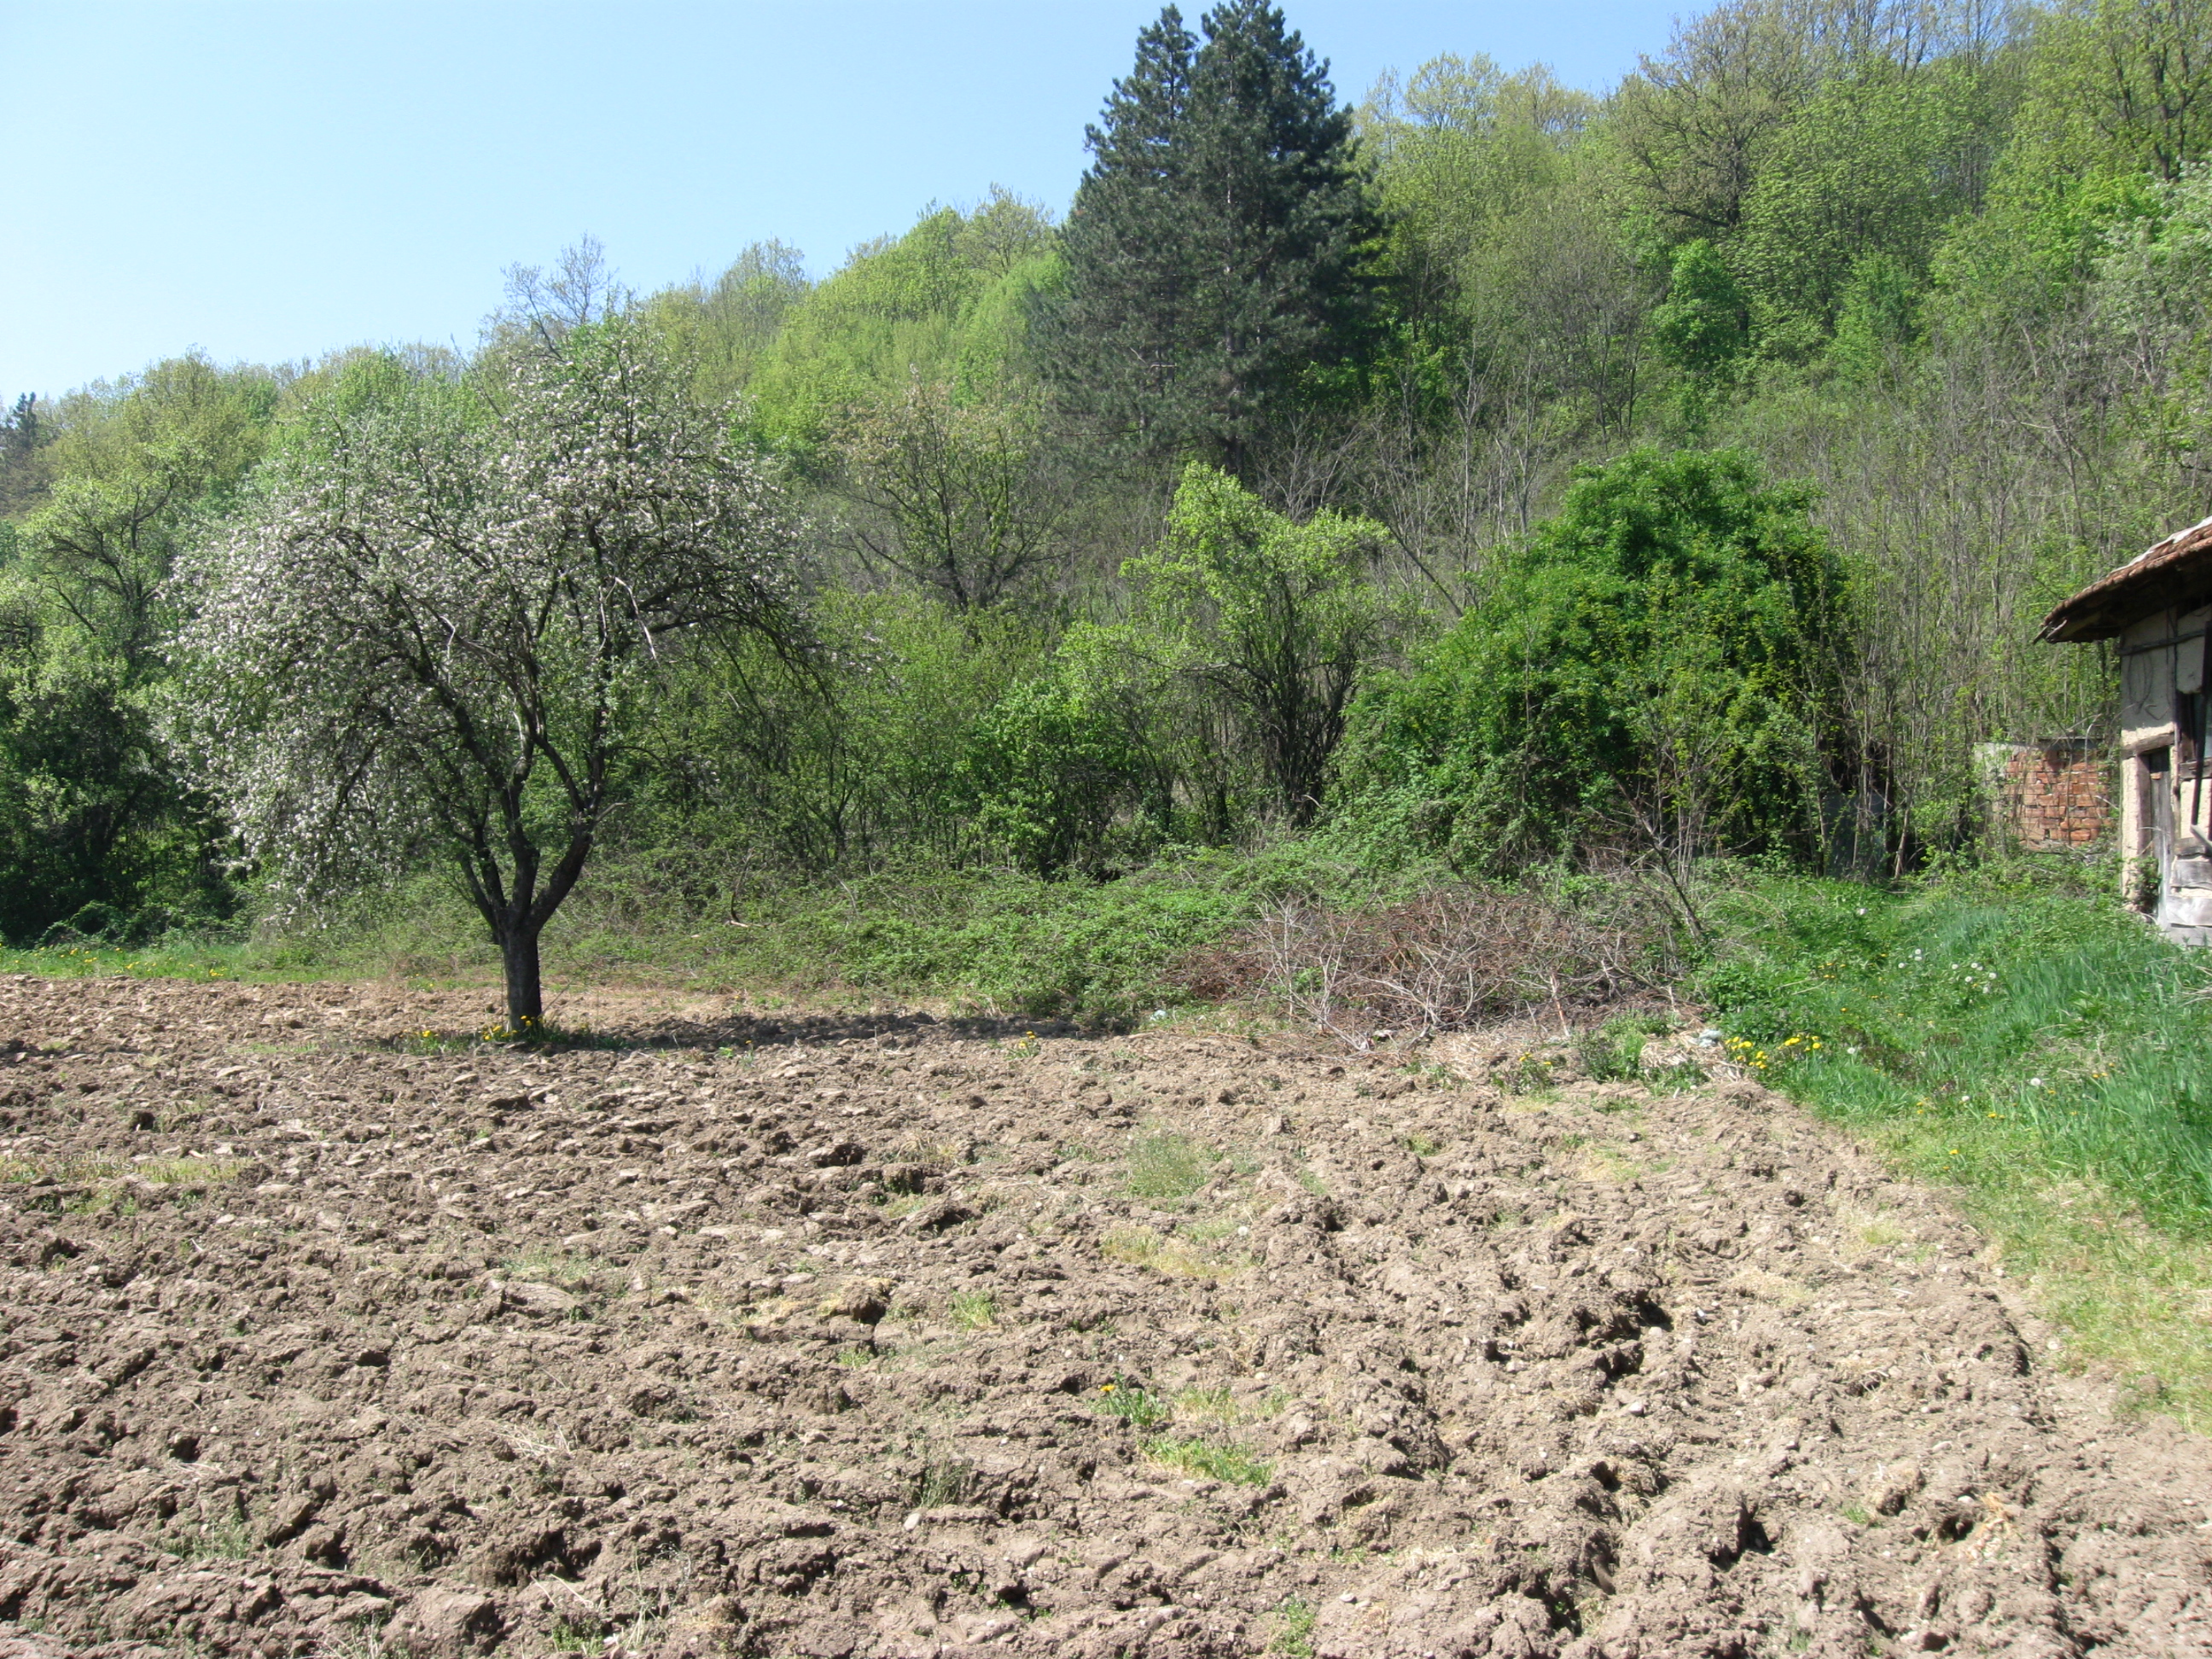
1489,472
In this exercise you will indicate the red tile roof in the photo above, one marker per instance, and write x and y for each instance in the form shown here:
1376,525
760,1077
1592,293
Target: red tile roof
2176,572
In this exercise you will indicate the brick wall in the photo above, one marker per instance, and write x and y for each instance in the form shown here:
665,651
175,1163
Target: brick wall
2053,796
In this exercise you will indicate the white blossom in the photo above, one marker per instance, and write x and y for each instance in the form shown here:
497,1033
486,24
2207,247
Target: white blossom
436,627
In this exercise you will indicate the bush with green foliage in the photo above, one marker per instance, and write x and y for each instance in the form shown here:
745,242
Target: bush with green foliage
851,755
1046,772
1650,669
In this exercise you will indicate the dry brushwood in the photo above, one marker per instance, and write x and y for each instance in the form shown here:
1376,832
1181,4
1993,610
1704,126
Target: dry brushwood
1450,958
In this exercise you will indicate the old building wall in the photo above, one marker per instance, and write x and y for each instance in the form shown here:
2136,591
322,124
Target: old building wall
2160,655
2052,797
2165,790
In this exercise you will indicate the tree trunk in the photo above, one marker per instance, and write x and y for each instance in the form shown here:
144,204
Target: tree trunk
526,1001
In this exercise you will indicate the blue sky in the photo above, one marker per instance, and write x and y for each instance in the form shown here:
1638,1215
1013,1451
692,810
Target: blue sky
271,181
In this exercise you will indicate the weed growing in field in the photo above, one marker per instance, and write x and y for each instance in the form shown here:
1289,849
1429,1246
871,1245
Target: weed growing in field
1191,1257
356,1638
940,1483
1536,1075
1167,1166
98,1186
567,1637
975,1310
1210,1460
187,1171
70,1172
1214,1405
1133,1404
1294,1624
228,1538
1614,1052
554,1266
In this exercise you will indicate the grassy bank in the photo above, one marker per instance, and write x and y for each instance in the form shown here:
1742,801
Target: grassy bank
988,941
994,941
1297,920
2033,1047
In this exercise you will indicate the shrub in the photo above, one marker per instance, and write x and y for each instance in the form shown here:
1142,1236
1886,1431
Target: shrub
1046,769
1648,671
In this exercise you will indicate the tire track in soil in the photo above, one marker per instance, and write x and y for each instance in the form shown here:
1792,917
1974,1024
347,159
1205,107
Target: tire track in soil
315,1346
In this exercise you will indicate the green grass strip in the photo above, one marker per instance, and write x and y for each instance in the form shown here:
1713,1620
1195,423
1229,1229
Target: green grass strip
2042,1050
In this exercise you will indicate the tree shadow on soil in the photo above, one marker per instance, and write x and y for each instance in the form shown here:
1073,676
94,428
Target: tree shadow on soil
739,1032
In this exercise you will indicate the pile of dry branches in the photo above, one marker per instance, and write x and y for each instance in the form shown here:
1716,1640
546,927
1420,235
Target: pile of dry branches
1450,958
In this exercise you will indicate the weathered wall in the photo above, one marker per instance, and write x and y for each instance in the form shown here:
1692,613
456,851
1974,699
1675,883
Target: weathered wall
2165,807
2054,797
2152,672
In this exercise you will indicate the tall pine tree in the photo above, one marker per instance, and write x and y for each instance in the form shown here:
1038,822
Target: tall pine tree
1219,243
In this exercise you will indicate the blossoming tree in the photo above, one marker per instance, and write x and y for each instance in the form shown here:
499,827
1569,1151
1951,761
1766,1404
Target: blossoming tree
438,628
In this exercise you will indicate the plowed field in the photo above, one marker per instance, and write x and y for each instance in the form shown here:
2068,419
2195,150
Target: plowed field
883,1336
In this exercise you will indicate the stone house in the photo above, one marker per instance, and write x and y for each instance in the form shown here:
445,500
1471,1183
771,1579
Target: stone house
2155,608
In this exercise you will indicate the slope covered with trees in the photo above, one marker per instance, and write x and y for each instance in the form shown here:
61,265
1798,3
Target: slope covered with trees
1491,475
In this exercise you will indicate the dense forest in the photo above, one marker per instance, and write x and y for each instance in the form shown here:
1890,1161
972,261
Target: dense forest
1488,476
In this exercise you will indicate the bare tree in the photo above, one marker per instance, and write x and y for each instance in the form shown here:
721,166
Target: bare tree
958,498
438,629
549,306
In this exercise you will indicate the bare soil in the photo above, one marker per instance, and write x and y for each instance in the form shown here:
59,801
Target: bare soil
1179,1346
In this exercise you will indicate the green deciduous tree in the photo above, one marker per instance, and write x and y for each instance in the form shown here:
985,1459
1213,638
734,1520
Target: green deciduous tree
1704,325
26,433
859,754
726,326
91,810
959,498
1693,125
2142,70
1269,622
1651,670
1877,164
946,304
1703,328
1462,151
1878,321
